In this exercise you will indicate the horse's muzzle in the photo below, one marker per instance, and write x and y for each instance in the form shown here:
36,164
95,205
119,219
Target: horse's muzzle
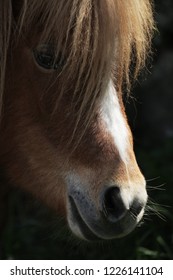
110,217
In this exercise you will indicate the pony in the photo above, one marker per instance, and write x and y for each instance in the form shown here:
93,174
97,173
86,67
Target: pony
64,135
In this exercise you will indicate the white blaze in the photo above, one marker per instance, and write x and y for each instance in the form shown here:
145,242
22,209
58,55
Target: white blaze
114,121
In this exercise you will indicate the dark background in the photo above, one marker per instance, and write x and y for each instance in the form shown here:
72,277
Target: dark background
32,232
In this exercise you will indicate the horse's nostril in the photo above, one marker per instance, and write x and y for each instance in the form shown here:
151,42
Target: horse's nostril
113,206
136,207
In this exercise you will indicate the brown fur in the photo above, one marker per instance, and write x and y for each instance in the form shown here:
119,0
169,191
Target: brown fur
46,115
105,45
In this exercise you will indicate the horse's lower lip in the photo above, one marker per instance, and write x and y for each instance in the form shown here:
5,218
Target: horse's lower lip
86,231
100,230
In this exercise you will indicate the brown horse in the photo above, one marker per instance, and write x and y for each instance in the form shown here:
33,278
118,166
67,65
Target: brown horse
64,133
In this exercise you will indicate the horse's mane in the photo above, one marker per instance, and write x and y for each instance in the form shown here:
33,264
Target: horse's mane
107,36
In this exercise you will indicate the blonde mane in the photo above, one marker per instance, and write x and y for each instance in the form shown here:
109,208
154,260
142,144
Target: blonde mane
105,37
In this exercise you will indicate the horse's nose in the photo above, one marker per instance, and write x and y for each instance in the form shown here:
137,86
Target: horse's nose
115,214
112,204
114,207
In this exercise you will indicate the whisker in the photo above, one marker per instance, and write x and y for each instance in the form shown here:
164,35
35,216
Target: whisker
157,209
152,202
159,187
132,214
153,179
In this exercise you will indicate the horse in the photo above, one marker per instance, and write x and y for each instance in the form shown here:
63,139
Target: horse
65,137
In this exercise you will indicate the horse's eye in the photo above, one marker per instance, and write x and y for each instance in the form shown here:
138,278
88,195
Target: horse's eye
46,58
